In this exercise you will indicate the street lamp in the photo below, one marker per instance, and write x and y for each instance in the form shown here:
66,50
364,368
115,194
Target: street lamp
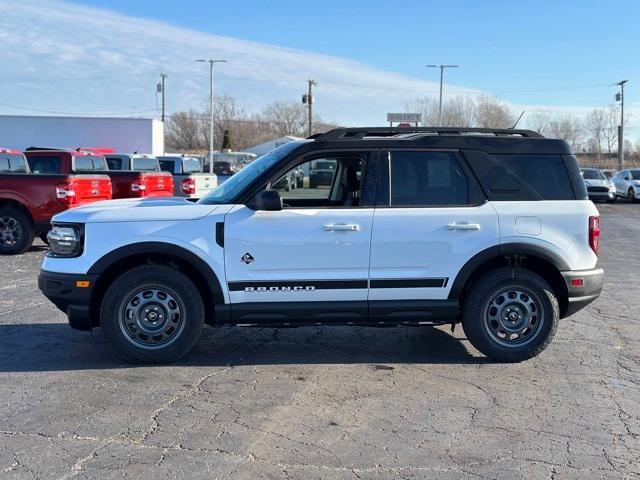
441,67
211,129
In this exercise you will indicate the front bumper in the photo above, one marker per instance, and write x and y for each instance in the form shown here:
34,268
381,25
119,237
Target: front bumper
582,295
71,294
602,195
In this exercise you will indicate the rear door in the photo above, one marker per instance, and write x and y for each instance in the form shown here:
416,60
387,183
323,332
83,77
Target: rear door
431,217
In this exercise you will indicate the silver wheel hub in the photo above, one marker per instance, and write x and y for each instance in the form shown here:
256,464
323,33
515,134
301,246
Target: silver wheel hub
152,317
513,316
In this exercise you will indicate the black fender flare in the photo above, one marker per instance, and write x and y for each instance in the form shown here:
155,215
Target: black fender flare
213,283
503,250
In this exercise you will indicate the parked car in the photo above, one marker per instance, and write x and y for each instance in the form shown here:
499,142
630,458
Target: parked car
188,179
132,161
125,183
599,187
490,228
321,173
287,182
29,200
224,167
627,184
609,173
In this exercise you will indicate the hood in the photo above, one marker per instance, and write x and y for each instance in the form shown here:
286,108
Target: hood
136,210
597,183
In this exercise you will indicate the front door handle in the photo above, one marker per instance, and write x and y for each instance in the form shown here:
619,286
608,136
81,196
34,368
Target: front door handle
341,227
463,226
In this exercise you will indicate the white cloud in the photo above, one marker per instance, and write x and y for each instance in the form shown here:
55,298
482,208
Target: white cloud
63,57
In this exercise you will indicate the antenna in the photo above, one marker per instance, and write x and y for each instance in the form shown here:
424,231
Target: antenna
518,120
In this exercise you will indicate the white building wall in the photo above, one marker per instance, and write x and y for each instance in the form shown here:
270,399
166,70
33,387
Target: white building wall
125,135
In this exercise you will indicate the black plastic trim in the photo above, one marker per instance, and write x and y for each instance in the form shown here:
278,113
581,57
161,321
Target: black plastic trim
301,285
220,234
409,283
61,290
580,297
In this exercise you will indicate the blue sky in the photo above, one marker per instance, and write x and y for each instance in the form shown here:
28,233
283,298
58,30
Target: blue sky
511,48
104,57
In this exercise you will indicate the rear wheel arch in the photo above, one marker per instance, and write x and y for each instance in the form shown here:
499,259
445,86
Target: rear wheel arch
539,260
11,203
125,258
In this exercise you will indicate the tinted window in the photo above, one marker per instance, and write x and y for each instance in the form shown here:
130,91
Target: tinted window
430,179
593,175
114,163
523,177
12,163
145,165
166,165
44,164
635,174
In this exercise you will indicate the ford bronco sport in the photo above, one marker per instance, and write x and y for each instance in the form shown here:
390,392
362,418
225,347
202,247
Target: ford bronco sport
417,226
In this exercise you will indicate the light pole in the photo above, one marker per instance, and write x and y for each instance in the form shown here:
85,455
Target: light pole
441,67
211,127
620,98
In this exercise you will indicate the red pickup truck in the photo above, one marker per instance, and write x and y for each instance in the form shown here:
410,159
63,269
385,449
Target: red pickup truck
125,184
28,200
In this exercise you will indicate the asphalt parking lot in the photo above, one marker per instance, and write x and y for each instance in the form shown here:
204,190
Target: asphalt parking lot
313,403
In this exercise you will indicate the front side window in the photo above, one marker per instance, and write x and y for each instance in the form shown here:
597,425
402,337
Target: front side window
635,174
430,179
12,163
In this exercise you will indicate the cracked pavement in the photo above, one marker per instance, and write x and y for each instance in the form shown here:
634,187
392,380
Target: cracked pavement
335,402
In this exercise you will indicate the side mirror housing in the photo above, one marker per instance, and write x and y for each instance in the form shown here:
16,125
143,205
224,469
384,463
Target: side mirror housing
268,200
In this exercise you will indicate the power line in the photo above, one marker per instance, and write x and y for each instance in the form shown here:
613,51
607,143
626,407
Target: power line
77,113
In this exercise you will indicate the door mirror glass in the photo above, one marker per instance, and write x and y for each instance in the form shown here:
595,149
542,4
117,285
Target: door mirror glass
268,200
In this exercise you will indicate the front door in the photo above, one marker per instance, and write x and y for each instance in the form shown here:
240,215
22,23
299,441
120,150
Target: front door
310,260
431,218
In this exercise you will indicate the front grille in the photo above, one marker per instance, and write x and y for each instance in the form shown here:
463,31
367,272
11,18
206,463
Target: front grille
597,189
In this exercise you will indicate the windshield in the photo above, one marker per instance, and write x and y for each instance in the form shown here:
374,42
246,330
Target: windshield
635,174
226,192
593,175
144,164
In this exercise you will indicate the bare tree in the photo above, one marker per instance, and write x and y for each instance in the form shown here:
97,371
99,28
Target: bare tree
567,127
539,121
287,118
184,131
491,112
456,112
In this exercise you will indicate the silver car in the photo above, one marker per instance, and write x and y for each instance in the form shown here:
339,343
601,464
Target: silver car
599,187
188,179
627,184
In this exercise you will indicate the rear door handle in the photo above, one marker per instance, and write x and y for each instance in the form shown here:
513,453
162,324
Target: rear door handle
463,226
341,227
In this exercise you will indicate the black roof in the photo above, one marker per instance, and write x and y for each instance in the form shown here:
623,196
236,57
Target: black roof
491,140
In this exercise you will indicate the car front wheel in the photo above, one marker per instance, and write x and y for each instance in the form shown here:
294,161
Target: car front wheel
510,315
152,313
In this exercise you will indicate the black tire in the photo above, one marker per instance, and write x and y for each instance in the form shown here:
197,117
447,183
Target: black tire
483,326
127,337
631,198
16,231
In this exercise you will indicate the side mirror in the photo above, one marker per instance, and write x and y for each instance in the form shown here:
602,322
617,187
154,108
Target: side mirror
268,200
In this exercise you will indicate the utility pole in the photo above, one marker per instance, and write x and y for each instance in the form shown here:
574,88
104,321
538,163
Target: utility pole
211,126
620,98
160,89
308,99
441,67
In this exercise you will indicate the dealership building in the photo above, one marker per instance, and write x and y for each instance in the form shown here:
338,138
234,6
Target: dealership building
143,135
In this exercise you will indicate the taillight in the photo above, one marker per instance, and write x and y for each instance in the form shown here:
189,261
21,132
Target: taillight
189,186
139,187
66,193
594,233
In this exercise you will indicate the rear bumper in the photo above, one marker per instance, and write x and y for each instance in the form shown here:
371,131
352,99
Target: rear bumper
63,291
582,295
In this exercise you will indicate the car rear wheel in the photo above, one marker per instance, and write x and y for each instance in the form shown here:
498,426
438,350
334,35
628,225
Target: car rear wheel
510,315
631,196
16,231
152,313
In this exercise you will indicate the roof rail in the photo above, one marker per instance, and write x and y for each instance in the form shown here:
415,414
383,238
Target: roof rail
360,133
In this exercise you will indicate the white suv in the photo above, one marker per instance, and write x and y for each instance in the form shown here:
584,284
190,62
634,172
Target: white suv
424,226
627,184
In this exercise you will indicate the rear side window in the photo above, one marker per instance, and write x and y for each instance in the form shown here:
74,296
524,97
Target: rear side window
430,179
145,165
89,163
12,163
114,163
166,165
522,177
44,164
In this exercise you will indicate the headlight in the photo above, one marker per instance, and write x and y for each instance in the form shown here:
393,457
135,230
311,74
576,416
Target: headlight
637,184
65,240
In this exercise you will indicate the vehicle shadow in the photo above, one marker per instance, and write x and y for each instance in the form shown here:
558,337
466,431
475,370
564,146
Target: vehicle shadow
47,347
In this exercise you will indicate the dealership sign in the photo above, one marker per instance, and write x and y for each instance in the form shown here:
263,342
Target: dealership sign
404,117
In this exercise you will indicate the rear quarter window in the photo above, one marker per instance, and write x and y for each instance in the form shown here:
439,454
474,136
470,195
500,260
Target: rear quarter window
518,177
12,163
